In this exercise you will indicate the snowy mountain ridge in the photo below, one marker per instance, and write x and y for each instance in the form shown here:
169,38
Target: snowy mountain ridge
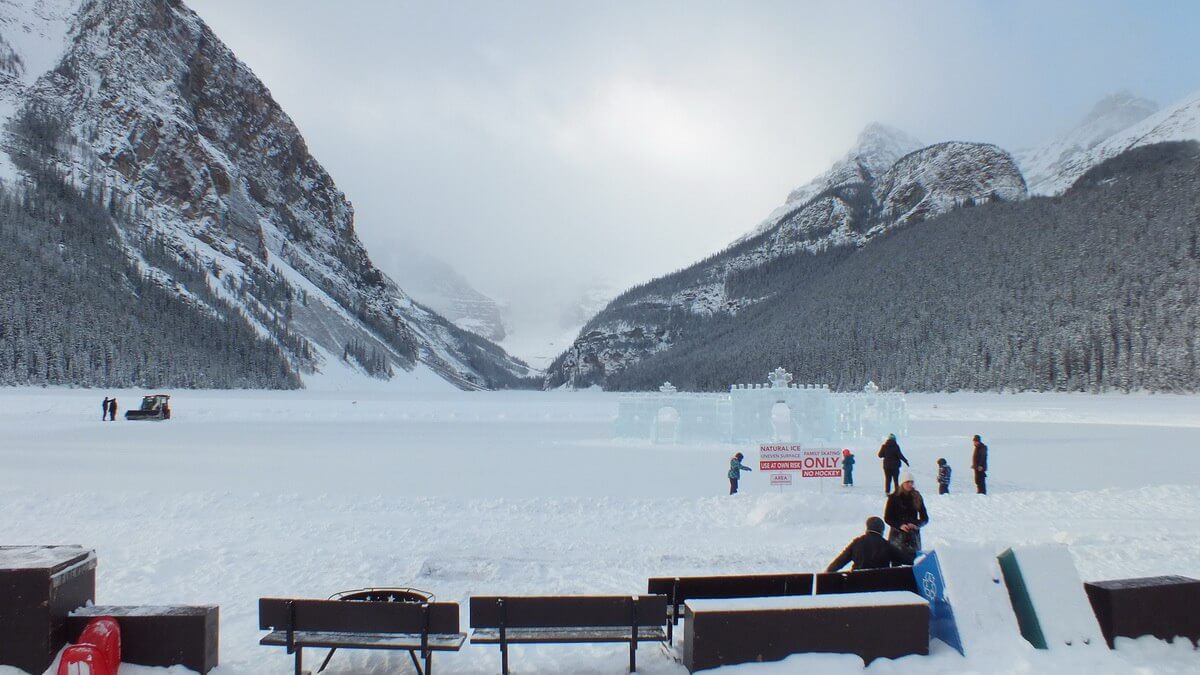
856,201
143,103
1051,168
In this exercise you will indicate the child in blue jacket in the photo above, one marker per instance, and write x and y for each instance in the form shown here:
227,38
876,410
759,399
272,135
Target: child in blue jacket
943,478
847,468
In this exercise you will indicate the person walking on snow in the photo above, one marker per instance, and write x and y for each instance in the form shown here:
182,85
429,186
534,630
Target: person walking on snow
943,476
870,551
905,513
890,453
735,472
104,409
112,410
848,468
979,465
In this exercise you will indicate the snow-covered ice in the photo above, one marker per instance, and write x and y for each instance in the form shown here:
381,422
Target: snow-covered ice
251,494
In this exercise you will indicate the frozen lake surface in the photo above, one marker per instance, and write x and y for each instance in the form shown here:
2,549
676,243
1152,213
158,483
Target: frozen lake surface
302,494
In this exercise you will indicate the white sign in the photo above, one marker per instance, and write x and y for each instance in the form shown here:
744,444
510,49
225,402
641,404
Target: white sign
781,479
821,463
780,457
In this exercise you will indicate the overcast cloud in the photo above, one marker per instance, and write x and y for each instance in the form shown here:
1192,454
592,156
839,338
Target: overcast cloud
527,141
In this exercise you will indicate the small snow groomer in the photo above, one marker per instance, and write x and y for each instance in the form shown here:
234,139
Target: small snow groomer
154,407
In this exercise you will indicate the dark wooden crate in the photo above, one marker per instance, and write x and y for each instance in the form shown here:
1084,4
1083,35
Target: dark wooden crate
39,586
1165,607
729,632
160,635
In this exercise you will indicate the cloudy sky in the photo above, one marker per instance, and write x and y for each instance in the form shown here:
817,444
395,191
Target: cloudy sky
539,144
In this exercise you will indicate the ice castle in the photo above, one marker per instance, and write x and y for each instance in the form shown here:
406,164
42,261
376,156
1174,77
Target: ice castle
776,411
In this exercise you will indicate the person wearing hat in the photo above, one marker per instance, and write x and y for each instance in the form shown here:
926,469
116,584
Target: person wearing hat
735,472
890,453
979,465
905,513
870,551
847,468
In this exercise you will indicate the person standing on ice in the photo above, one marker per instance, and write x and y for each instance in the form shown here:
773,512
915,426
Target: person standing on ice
848,469
943,476
905,513
979,465
870,551
104,409
735,472
890,453
112,410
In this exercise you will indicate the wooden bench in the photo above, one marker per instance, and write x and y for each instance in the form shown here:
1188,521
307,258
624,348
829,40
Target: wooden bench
506,620
866,581
681,589
334,624
888,624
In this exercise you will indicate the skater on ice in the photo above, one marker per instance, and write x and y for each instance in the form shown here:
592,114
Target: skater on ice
891,455
871,551
905,513
979,465
943,477
735,472
847,468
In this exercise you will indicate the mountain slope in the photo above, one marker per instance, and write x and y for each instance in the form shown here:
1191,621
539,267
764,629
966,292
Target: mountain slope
147,105
1096,289
434,283
856,209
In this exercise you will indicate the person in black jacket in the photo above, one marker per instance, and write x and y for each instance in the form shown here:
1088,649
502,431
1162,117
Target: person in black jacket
104,409
890,453
905,513
870,551
979,465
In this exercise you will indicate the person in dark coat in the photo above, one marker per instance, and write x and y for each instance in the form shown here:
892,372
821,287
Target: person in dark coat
979,465
847,468
905,513
112,410
943,476
870,551
735,472
890,453
104,409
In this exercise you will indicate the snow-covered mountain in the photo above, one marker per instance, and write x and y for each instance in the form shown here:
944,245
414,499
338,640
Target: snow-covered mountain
862,197
1177,122
1051,168
877,148
436,284
140,101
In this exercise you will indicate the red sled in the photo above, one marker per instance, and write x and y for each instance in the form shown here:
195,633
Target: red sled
84,660
96,652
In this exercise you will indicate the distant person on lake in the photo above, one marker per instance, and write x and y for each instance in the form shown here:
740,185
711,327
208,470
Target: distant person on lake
735,472
943,476
104,409
870,551
905,513
847,468
112,410
979,465
890,453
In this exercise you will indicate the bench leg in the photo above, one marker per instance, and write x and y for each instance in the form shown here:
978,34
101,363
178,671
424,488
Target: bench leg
429,663
633,655
504,658
299,660
326,661
416,664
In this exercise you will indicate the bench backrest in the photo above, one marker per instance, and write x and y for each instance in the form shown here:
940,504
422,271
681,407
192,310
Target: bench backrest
568,611
866,581
681,589
357,617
